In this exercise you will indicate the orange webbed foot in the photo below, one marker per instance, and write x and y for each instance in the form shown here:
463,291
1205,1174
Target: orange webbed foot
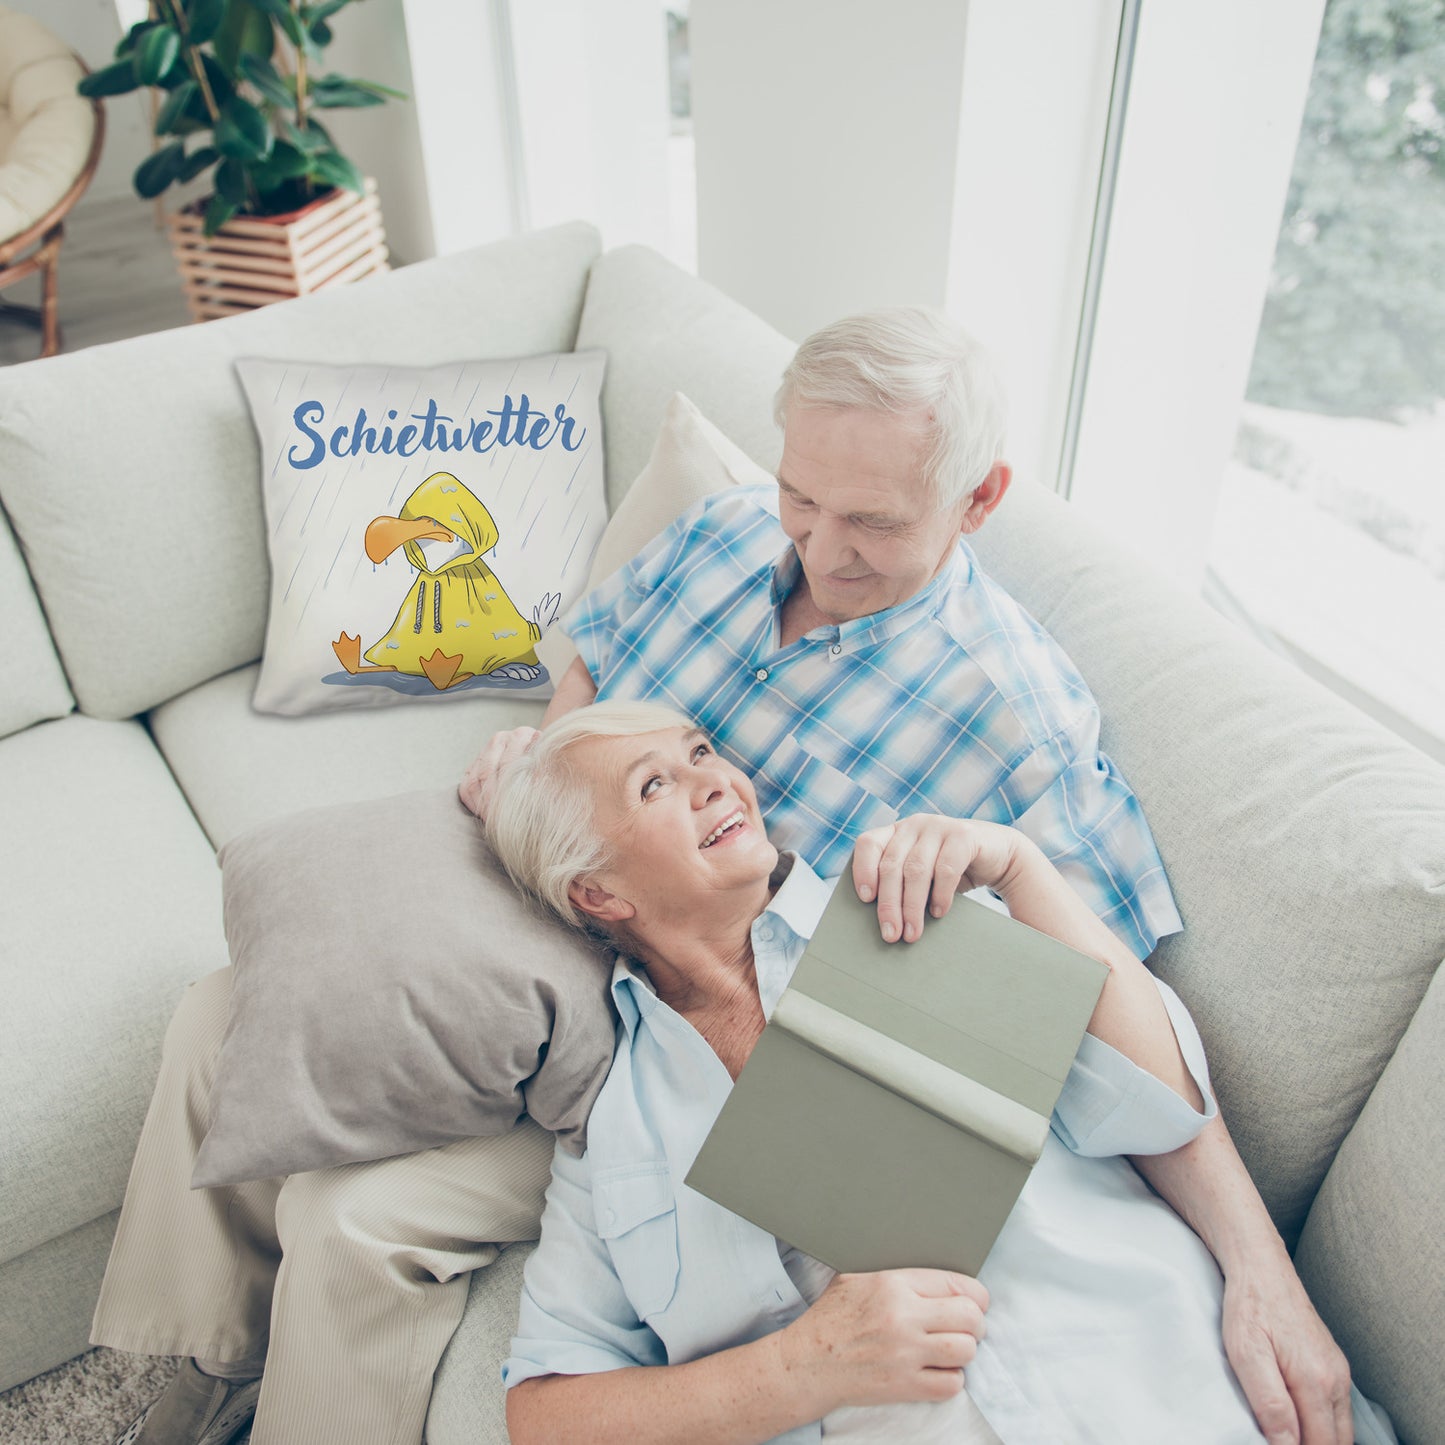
348,654
441,670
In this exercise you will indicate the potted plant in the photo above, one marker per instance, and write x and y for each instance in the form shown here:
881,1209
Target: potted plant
239,85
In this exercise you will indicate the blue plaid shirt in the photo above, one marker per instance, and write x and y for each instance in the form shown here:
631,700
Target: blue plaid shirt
954,702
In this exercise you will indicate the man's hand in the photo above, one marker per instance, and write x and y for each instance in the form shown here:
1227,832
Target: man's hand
475,788
916,865
1295,1377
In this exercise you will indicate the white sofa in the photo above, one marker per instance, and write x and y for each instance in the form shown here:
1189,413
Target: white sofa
1306,846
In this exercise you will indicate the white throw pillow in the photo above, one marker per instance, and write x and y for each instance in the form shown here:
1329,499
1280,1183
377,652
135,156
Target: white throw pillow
426,525
691,459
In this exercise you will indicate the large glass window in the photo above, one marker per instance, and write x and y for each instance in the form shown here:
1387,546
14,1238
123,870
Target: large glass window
1330,528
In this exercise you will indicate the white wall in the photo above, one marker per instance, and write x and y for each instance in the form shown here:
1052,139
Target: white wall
1036,83
593,114
827,142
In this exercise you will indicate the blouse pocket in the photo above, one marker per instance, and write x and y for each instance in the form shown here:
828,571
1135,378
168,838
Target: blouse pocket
637,1217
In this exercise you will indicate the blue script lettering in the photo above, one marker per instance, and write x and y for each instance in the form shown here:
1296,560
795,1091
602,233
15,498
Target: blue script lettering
514,424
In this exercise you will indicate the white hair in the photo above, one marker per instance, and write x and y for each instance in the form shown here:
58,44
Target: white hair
908,360
542,821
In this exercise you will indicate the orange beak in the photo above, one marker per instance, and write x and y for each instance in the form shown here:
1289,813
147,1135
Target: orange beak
386,534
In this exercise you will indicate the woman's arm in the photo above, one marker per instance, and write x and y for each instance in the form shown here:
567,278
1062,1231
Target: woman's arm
917,865
870,1339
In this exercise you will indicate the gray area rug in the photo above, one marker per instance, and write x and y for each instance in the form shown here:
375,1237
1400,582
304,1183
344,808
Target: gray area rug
86,1402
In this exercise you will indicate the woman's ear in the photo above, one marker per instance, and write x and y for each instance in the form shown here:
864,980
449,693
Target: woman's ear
596,902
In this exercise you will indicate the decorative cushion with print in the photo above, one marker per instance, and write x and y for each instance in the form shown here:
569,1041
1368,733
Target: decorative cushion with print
426,525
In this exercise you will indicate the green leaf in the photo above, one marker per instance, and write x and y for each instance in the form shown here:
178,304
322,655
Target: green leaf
333,92
287,163
277,88
117,79
157,171
320,35
324,11
378,89
158,50
203,19
231,182
333,168
218,212
244,31
174,109
131,38
242,132
197,161
222,85
285,17
313,140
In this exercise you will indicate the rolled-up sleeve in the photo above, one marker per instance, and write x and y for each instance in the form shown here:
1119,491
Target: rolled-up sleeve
575,1318
1109,1105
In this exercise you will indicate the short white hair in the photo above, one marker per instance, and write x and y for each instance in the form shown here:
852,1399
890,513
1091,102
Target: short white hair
908,360
542,820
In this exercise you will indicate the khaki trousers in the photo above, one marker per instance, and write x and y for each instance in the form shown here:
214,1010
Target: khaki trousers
350,1281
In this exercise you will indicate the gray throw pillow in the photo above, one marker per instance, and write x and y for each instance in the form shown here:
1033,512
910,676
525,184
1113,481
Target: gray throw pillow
393,992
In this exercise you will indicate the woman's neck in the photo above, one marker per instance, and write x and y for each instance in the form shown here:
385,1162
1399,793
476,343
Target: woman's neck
703,969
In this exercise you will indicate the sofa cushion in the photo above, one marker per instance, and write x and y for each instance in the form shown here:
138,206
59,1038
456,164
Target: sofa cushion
111,905
392,493
35,687
665,331
468,1404
1301,840
131,471
1372,1254
239,767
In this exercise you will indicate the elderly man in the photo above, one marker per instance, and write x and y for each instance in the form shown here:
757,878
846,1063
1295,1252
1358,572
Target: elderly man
839,641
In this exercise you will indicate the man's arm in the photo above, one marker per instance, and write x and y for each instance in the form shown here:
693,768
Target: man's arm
575,690
1295,1377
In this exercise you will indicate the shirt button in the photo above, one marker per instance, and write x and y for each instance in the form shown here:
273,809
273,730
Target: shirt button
836,648
765,933
761,674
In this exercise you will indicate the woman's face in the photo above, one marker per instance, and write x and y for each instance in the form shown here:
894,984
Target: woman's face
681,823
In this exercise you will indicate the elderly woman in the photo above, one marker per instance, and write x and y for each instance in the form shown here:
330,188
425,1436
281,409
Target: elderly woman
654,1314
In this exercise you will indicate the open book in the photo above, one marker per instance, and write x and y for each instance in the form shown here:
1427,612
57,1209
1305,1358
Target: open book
900,1094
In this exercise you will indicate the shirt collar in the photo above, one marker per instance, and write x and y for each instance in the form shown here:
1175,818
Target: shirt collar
879,626
779,933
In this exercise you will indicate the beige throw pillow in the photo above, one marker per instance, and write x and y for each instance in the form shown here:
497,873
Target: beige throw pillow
393,992
691,459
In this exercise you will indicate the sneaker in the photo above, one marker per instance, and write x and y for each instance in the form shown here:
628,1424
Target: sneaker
195,1409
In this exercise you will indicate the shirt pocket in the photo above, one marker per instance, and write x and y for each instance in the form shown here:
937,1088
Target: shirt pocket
816,801
636,1212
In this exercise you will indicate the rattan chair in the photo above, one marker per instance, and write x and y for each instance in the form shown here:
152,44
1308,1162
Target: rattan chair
50,139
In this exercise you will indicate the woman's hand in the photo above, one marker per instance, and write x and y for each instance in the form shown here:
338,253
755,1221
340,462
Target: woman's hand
475,788
918,864
897,1335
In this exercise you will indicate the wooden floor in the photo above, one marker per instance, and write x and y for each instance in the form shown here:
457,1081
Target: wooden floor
117,279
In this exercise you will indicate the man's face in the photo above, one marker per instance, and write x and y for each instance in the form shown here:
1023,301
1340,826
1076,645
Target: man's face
851,496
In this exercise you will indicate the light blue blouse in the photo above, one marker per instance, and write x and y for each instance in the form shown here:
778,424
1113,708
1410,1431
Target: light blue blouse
1105,1316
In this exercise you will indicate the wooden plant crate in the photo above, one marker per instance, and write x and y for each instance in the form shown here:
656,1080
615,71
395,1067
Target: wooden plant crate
255,260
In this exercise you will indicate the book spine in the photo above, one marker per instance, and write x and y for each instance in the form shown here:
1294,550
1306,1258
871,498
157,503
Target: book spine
953,1097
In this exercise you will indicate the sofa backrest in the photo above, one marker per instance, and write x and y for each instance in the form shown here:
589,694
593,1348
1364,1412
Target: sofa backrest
1301,839
35,688
131,472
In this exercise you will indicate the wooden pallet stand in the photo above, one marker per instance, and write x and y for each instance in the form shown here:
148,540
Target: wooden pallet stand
255,260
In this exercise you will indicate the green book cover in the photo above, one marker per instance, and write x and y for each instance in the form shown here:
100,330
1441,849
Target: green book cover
900,1094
